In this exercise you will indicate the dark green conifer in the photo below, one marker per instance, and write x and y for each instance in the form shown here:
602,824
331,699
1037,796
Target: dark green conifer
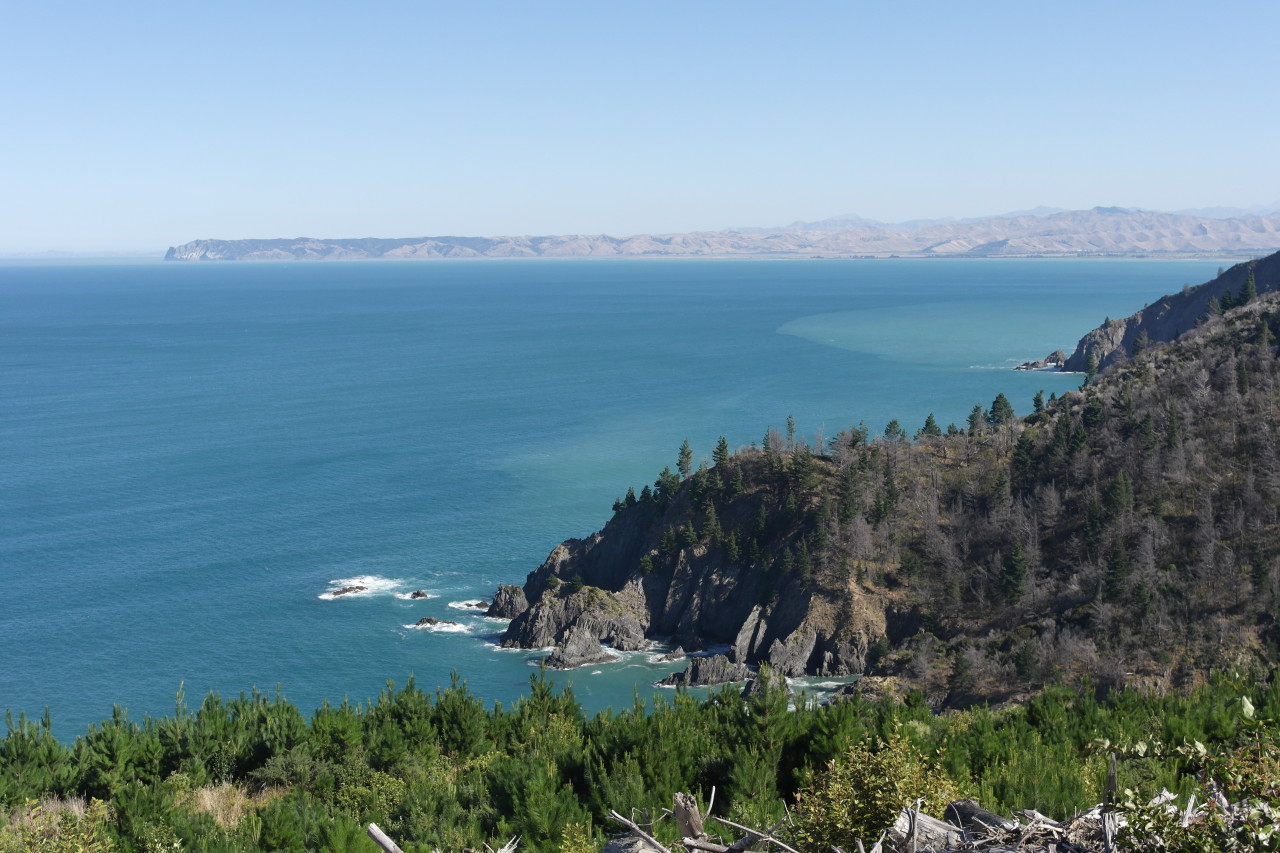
1090,369
977,420
1249,292
1013,574
684,462
1001,410
721,454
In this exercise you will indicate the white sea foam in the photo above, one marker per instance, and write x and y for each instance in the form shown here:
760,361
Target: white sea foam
372,585
472,605
443,628
409,596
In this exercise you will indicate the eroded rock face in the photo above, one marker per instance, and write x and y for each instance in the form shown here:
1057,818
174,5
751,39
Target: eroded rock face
791,657
608,618
508,603
622,585
579,648
1053,361
702,672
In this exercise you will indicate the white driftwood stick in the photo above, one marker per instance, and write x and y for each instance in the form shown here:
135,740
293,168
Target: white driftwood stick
763,837
631,825
380,838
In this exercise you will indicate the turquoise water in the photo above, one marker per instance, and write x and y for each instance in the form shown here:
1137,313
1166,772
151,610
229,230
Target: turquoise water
191,455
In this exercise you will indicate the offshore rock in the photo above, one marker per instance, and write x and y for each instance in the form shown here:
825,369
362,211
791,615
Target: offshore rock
1053,361
674,655
579,648
431,621
348,590
418,593
702,672
508,603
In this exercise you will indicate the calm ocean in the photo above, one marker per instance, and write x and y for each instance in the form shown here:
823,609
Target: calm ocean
192,455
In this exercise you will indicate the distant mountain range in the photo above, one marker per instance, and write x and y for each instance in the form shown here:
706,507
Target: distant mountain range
1101,231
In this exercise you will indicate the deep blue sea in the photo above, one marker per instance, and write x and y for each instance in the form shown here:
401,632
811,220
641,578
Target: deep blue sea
191,456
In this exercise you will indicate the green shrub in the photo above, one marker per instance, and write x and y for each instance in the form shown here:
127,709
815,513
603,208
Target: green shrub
861,793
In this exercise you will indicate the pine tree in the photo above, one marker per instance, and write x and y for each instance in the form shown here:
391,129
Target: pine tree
1037,402
1249,292
930,427
721,454
1001,410
1013,574
977,420
666,487
711,527
684,462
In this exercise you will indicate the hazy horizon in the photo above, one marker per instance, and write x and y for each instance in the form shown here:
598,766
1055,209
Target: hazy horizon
138,128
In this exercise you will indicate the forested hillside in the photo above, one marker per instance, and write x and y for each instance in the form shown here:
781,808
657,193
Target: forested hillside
1127,532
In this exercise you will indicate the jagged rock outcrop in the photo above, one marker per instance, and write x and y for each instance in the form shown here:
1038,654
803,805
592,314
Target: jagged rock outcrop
1053,361
764,681
579,648
508,603
433,622
1116,341
611,619
707,671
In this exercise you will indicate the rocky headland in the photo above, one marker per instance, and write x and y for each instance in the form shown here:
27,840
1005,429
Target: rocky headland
1116,341
1112,536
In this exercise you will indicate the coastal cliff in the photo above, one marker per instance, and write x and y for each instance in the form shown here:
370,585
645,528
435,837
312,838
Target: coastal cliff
1171,316
1125,533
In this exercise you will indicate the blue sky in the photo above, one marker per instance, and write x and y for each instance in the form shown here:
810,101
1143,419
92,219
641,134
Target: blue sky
136,125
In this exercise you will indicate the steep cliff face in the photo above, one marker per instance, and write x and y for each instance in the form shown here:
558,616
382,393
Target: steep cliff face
662,568
1170,316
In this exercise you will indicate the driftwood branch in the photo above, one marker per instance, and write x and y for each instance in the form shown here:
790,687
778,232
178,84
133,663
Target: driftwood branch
762,836
634,827
380,838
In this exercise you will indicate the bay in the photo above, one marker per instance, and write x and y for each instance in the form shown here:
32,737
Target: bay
192,457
